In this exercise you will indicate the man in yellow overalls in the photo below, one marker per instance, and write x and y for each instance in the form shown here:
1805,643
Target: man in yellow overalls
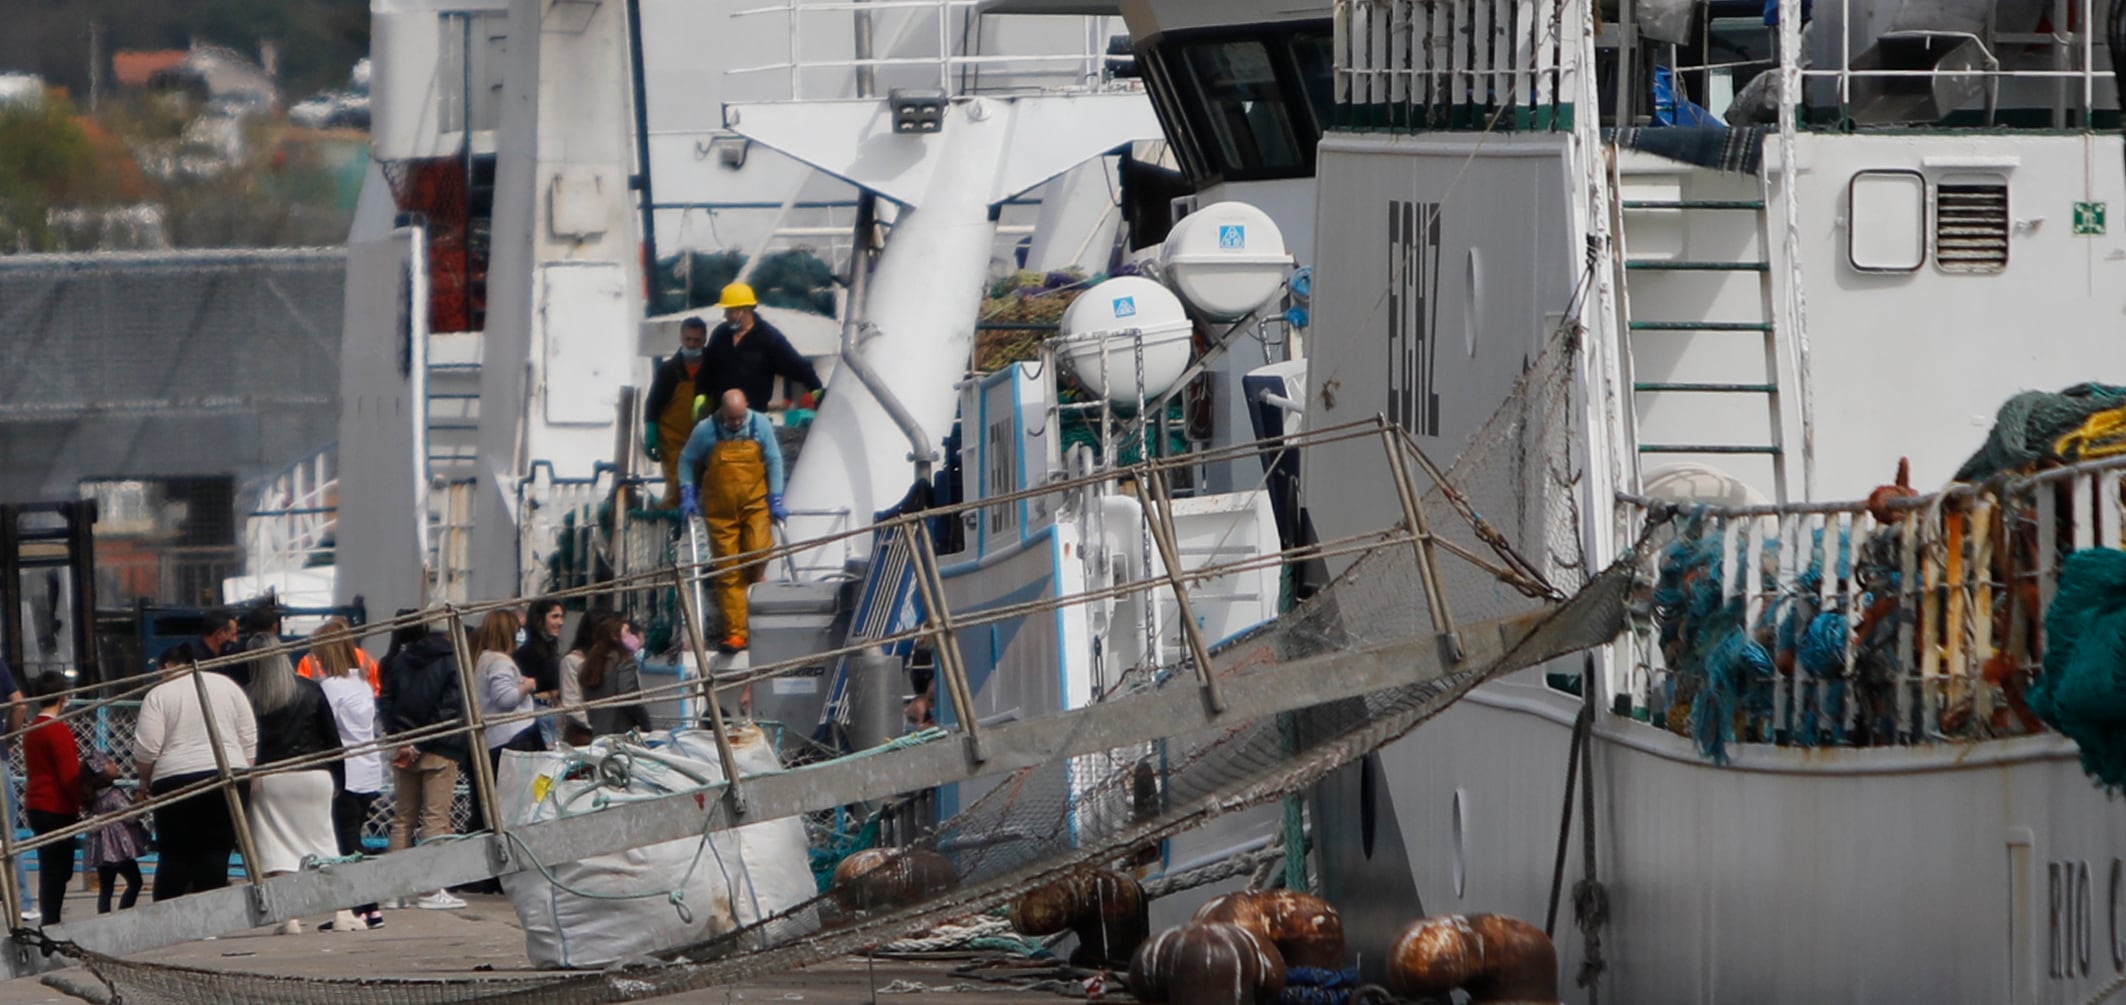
744,478
668,410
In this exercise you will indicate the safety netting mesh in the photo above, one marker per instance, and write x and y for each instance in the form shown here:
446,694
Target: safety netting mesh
1512,483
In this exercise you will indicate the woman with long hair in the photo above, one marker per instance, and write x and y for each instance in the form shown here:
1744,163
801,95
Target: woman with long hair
353,704
291,812
576,728
611,670
335,639
539,657
504,691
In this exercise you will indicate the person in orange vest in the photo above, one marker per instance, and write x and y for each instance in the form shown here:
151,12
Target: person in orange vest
332,650
668,410
745,479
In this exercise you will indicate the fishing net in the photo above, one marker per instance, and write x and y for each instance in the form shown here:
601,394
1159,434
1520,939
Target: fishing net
2038,425
1009,832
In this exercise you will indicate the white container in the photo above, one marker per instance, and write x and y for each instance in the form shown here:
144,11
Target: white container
1113,319
1226,259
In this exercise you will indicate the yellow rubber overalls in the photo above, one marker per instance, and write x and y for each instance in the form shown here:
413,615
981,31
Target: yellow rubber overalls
674,424
734,501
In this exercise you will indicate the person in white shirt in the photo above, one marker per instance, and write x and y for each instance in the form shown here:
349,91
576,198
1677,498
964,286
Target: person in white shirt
173,749
353,704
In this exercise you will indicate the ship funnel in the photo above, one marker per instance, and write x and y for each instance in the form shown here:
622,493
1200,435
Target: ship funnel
1940,51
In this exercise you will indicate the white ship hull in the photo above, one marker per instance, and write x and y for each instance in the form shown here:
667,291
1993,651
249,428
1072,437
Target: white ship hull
1965,873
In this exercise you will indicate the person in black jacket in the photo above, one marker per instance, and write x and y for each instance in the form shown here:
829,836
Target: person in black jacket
668,410
421,690
291,811
748,353
539,658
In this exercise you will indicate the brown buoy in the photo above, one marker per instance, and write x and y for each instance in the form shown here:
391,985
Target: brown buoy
1105,909
1213,964
878,879
1491,956
1305,929
1880,499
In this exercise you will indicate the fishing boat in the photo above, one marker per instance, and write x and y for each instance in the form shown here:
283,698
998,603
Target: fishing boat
1681,265
1704,264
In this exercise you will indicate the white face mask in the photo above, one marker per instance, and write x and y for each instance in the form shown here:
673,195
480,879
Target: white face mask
520,636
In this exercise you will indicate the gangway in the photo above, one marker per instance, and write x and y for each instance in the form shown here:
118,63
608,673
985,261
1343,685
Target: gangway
1361,663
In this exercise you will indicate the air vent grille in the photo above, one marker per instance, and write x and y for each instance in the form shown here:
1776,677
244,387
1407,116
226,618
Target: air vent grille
1971,227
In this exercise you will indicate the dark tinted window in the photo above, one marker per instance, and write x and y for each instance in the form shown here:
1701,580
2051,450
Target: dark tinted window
1313,57
1243,103
1245,106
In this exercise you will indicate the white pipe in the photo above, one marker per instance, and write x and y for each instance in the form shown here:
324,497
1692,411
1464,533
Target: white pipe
925,295
919,448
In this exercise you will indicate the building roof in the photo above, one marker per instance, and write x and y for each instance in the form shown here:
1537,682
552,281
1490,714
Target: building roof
135,67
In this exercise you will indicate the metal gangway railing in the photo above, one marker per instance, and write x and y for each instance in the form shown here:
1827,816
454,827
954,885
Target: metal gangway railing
1418,640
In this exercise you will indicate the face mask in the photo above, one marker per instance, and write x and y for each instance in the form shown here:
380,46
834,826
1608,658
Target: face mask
520,636
689,353
632,641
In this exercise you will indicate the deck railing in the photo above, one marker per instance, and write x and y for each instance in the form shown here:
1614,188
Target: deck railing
1830,625
1456,64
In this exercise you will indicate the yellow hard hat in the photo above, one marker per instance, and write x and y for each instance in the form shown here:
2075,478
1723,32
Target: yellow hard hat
737,295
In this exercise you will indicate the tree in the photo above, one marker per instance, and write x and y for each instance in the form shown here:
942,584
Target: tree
46,161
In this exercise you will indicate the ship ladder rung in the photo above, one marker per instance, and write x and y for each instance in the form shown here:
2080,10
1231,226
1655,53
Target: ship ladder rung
1681,265
1705,387
1699,326
1709,448
1741,204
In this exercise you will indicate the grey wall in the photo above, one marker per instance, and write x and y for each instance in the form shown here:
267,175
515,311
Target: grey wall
165,363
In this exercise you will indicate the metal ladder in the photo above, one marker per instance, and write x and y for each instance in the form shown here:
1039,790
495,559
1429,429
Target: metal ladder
1774,444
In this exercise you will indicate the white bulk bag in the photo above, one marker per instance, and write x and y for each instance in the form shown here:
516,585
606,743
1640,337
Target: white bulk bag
730,880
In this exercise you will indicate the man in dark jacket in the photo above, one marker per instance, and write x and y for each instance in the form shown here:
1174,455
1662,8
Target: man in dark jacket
668,410
218,636
748,353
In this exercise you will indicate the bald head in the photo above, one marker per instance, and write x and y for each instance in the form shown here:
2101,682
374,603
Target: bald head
733,409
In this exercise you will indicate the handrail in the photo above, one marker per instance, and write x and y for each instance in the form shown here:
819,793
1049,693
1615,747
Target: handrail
688,573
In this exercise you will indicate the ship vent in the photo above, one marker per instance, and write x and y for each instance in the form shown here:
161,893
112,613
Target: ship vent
1971,227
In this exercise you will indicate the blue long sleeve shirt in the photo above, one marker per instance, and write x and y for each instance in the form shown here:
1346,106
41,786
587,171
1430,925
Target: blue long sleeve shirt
709,432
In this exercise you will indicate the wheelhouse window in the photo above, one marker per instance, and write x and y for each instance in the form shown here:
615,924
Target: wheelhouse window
1243,104
1250,119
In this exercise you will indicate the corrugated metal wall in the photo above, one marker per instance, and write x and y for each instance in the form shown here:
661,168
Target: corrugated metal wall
163,364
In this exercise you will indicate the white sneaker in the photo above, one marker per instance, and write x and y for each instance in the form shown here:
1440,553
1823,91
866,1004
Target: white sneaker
346,921
441,900
32,917
292,926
